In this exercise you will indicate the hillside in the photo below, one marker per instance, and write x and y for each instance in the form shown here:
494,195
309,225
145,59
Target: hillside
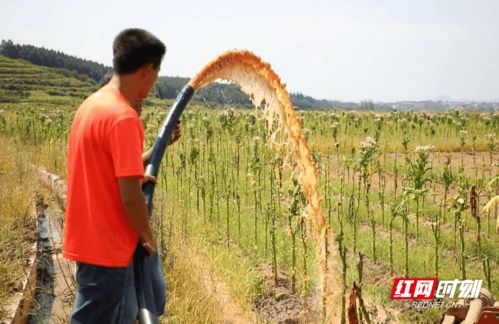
167,87
50,58
228,94
21,81
216,94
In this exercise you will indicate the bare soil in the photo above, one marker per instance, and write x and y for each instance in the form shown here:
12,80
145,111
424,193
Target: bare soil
280,304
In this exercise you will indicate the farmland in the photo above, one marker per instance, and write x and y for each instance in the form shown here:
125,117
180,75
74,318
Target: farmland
229,209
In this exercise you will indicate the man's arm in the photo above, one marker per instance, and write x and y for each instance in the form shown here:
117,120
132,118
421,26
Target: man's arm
136,210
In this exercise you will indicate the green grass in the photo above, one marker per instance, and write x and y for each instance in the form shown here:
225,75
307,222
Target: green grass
219,154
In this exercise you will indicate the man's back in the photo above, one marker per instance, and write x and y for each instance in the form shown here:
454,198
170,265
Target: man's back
105,143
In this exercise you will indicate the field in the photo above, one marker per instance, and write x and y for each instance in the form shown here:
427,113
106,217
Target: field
229,209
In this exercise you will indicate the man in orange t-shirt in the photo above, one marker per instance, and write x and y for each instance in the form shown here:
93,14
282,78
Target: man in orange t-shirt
106,213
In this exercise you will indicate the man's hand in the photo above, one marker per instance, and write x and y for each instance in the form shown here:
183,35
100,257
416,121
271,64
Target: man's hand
149,247
176,133
148,178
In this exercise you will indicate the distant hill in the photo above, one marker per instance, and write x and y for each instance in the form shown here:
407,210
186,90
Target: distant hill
214,95
50,58
217,94
228,94
22,81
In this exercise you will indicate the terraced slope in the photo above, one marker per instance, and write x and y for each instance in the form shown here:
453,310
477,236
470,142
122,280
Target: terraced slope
21,81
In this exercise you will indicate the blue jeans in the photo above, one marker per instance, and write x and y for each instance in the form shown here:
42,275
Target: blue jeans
105,295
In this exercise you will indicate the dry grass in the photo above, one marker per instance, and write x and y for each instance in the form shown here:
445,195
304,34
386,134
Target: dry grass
187,296
17,226
207,282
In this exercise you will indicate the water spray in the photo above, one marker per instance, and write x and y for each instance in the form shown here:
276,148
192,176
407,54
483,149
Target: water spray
260,82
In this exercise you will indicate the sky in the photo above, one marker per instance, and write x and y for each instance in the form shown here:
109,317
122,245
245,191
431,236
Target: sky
349,50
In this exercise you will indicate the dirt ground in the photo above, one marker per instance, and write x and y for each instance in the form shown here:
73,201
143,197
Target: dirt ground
281,305
473,165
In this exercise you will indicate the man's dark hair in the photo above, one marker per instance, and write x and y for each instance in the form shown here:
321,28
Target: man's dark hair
134,48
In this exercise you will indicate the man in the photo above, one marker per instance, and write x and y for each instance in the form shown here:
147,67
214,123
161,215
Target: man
106,214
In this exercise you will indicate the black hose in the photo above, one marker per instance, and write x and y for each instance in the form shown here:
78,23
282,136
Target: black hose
149,281
159,147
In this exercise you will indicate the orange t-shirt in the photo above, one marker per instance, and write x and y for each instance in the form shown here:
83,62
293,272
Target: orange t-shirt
105,143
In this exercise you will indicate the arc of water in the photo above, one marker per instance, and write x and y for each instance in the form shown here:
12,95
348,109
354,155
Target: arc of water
258,80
